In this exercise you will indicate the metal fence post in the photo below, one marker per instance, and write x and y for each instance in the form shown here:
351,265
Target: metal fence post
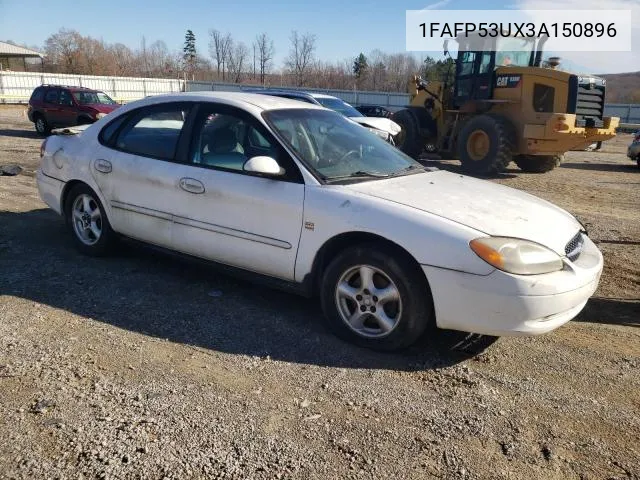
628,120
113,87
144,87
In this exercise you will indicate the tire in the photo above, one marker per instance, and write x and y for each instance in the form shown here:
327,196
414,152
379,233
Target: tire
408,140
88,222
405,319
84,121
41,124
538,163
494,140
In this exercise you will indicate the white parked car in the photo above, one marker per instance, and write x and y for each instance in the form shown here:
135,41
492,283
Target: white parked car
299,195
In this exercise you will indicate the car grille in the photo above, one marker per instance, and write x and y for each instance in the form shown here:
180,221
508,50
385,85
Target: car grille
587,101
573,249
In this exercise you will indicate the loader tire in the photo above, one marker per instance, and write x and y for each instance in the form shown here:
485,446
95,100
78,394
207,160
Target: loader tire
485,145
408,140
538,163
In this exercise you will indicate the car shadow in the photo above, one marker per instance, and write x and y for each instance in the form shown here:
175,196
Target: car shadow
602,167
10,132
612,311
188,302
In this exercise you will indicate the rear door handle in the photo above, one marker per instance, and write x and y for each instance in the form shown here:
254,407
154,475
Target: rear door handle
191,185
103,166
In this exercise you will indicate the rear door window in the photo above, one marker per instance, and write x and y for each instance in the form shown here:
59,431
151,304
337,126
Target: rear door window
65,98
154,132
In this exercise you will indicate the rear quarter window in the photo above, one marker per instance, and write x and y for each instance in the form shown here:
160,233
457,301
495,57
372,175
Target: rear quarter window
37,95
107,134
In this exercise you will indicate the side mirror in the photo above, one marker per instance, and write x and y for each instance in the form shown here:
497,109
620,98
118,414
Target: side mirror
264,166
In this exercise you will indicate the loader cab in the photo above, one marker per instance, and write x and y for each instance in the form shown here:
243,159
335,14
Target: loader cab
479,57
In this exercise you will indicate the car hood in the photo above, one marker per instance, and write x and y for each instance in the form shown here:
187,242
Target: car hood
484,206
102,107
378,123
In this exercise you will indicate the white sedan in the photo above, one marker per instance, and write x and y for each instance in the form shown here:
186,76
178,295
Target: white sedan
298,195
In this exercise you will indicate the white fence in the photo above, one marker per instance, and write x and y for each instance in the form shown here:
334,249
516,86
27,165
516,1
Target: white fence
353,97
628,112
16,87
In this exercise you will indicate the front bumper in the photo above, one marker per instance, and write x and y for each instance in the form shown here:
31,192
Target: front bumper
502,304
50,190
559,134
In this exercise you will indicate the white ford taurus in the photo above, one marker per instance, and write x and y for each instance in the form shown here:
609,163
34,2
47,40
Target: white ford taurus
302,196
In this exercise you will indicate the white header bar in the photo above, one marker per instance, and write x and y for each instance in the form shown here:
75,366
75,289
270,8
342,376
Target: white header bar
481,30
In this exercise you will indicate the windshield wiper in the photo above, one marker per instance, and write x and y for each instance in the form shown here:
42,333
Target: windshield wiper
408,169
359,174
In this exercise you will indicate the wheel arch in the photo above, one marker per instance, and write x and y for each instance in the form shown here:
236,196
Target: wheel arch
84,119
70,185
331,247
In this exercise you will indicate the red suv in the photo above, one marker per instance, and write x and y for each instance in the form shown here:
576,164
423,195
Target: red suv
60,106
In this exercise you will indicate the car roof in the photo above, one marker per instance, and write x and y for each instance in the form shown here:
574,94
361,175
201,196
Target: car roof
293,93
70,87
254,102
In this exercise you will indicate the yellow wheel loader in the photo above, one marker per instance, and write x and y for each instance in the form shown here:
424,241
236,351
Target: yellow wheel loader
505,105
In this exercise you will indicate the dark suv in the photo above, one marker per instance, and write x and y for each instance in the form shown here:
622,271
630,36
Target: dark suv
61,106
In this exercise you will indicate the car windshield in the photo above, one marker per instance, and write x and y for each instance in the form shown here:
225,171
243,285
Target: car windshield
515,52
339,106
338,149
93,98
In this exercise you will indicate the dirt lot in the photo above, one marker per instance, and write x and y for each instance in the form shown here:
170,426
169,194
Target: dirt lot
144,366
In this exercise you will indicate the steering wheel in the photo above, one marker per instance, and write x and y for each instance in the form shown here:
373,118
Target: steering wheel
347,155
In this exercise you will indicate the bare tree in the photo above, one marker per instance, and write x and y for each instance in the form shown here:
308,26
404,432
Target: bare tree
63,50
215,48
238,59
226,47
220,47
125,60
266,52
301,55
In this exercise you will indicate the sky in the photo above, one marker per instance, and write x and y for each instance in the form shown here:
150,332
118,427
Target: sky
343,28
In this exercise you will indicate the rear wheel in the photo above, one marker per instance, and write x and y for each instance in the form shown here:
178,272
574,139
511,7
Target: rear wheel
408,140
538,163
376,300
88,222
42,127
485,145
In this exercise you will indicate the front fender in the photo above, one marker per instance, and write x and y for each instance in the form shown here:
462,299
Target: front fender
330,211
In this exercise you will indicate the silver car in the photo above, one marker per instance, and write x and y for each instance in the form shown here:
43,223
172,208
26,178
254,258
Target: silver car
633,152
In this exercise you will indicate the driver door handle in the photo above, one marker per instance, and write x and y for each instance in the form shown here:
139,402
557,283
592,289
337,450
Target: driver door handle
191,185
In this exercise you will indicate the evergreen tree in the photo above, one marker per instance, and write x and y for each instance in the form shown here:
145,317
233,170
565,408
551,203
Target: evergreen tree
360,66
189,51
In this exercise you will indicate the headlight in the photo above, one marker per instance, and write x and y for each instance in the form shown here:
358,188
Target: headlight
380,133
100,115
514,255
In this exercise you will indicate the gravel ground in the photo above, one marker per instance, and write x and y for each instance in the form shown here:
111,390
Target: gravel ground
146,366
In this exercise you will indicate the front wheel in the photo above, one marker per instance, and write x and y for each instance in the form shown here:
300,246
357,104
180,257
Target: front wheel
88,222
376,300
485,145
